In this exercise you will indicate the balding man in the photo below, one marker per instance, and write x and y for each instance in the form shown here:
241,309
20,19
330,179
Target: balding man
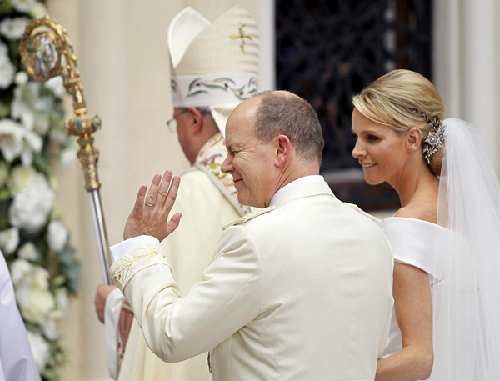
300,290
210,74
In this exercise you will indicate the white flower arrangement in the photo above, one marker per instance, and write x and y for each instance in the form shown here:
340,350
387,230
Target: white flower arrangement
23,5
56,85
21,177
37,10
19,269
30,107
62,301
32,205
21,78
40,349
57,236
67,158
6,68
11,143
35,304
9,239
13,28
32,143
28,251
50,329
34,240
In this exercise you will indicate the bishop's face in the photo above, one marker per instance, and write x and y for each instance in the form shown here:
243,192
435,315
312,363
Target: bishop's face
184,121
250,162
380,150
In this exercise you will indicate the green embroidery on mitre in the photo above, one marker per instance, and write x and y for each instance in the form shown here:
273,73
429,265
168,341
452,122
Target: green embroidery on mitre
212,89
250,216
204,86
173,85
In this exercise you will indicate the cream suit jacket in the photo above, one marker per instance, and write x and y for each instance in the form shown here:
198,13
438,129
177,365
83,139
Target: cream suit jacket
299,291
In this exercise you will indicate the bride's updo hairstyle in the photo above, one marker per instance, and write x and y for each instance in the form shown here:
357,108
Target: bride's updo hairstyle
403,99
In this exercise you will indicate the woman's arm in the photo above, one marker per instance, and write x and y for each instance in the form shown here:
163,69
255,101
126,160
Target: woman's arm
413,305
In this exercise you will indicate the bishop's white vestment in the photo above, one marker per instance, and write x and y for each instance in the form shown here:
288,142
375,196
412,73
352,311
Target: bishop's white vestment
301,290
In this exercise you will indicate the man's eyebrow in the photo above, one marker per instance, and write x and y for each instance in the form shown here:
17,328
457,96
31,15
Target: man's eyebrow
232,147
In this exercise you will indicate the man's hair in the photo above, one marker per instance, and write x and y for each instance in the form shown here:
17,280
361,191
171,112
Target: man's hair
284,113
205,113
203,110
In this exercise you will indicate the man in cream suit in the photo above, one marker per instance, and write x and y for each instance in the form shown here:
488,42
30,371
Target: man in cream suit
300,290
200,51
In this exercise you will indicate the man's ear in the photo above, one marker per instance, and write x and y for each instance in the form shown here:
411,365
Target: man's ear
283,148
413,139
197,123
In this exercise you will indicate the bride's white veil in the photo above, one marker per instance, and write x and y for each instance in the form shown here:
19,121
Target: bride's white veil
466,299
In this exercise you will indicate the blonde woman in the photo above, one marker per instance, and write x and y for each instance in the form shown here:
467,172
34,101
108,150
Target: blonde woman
445,236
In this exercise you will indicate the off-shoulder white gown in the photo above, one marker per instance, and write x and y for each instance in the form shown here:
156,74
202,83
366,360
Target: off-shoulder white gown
414,242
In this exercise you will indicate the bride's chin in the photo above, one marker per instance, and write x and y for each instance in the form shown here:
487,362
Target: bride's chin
372,181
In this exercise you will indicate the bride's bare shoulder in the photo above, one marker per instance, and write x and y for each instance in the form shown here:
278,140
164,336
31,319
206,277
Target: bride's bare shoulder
426,211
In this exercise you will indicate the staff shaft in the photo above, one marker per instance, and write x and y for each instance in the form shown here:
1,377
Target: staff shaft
100,231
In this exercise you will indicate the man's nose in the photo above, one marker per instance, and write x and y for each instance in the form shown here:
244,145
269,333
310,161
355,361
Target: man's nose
227,165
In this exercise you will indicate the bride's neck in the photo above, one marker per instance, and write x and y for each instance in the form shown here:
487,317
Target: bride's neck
413,181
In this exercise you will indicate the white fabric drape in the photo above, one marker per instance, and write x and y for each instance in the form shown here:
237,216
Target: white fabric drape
16,359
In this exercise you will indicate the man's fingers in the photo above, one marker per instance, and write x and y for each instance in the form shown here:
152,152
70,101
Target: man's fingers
153,190
174,222
139,202
163,190
150,213
171,195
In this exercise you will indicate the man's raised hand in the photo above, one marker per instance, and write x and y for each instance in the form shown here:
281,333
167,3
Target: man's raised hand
150,213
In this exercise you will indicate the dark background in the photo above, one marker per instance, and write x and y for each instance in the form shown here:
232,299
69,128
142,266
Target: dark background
328,50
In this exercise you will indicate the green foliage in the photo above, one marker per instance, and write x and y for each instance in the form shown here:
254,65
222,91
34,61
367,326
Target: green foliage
5,7
4,110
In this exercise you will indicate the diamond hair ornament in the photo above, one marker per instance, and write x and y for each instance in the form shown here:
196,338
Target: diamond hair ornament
434,141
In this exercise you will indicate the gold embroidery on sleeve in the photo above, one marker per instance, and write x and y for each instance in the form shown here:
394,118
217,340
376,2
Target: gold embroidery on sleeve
132,262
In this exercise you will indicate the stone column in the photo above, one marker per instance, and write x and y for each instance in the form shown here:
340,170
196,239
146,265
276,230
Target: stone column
467,65
480,76
267,55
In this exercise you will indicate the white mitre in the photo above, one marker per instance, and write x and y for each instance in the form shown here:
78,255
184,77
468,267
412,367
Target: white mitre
213,65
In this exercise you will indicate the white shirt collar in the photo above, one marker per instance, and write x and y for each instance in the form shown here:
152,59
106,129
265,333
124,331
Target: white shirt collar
294,183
